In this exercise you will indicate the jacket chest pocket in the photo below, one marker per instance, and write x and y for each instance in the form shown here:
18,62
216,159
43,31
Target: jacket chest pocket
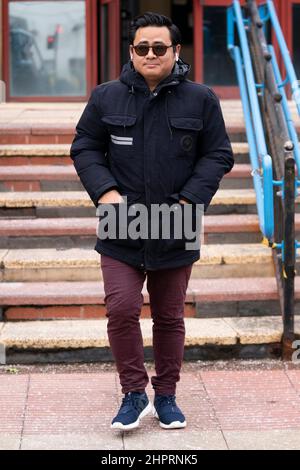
121,135
185,133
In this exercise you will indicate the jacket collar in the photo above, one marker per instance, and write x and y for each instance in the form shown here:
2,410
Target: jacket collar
135,80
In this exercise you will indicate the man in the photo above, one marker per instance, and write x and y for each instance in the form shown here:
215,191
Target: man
154,137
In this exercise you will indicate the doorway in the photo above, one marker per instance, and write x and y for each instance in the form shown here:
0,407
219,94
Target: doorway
181,12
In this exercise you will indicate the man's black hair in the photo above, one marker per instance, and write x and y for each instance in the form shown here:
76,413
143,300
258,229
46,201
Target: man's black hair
154,19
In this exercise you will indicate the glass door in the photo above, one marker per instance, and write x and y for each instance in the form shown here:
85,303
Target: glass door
48,55
109,39
213,64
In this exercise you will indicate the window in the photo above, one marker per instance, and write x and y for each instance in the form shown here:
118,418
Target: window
47,48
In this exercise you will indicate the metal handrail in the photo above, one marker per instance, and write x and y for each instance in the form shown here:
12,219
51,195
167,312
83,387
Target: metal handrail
268,116
286,110
283,142
261,161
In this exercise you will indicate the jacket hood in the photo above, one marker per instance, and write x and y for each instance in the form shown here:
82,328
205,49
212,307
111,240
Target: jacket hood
134,79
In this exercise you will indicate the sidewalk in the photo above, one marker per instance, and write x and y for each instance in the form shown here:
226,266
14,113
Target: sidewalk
228,405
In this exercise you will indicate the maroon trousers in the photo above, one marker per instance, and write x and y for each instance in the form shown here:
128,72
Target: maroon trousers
123,298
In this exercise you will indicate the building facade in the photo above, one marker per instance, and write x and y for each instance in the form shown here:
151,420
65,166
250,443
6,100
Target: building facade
52,50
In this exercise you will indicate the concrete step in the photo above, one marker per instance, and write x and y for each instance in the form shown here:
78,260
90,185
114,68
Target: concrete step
78,203
36,133
206,298
64,178
81,231
54,123
11,134
39,178
59,154
80,198
34,154
81,340
238,178
77,264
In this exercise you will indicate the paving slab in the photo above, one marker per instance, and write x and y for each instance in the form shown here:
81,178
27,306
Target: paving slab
255,400
30,150
13,397
209,331
45,199
257,330
175,440
231,289
81,198
52,258
247,408
234,196
210,254
64,334
38,172
10,441
74,441
80,293
277,439
76,264
234,253
55,334
232,111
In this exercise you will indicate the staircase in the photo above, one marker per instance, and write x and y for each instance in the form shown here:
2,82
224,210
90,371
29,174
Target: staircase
49,269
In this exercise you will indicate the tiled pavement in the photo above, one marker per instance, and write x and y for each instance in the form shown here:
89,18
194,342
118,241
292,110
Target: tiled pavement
225,409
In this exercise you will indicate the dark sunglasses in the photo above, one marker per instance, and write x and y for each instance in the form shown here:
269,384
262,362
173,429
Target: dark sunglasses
158,50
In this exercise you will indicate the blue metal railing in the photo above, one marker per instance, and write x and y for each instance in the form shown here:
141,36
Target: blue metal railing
286,109
260,160
267,116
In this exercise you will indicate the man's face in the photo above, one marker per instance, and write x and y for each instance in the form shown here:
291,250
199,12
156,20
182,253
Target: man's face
154,68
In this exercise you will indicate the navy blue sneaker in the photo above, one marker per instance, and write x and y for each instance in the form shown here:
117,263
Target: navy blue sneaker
134,406
168,413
